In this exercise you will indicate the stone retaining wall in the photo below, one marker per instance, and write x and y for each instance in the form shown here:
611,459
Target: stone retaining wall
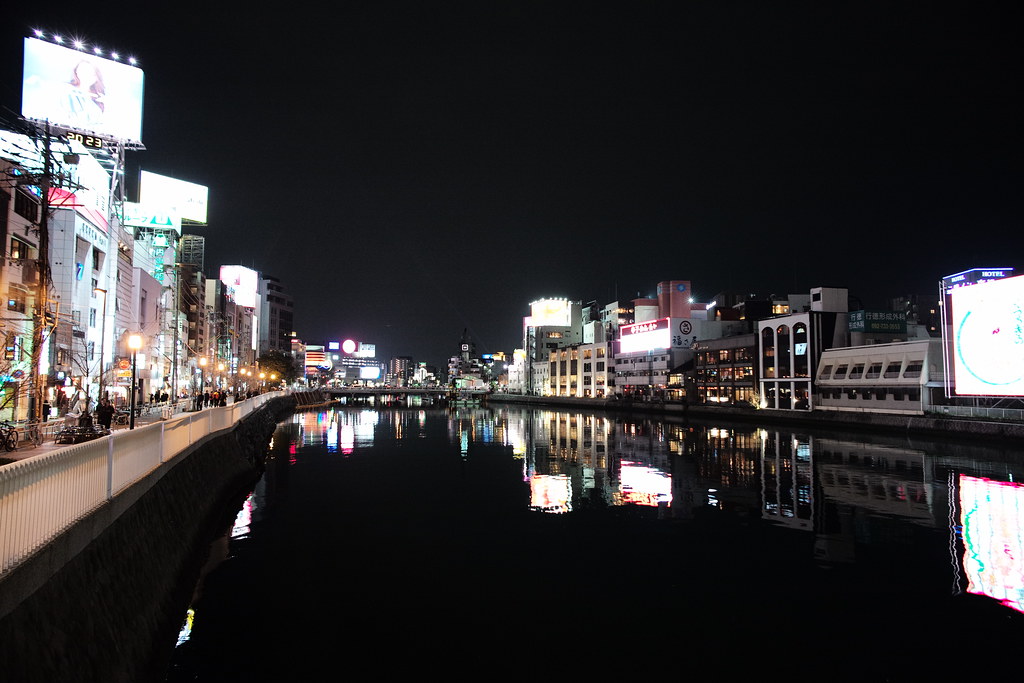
925,425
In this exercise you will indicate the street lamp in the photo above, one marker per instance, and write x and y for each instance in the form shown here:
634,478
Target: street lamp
202,374
134,343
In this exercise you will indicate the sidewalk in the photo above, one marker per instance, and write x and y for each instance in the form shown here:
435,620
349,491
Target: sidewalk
26,450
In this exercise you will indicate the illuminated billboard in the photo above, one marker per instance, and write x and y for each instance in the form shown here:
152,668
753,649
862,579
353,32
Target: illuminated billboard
81,91
243,283
178,197
140,215
987,327
646,336
550,313
87,191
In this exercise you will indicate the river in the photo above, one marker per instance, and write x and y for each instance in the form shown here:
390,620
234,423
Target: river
546,544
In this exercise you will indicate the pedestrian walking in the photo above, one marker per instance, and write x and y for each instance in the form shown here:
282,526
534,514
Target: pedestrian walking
105,413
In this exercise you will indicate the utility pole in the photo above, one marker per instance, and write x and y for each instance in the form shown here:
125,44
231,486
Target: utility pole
39,318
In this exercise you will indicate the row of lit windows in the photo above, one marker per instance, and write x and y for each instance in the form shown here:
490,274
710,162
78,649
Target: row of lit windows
573,354
712,374
737,355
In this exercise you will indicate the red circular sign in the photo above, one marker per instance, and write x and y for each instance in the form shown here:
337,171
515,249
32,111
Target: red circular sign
124,364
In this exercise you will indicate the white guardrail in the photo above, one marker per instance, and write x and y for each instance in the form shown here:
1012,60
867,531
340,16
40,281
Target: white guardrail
42,496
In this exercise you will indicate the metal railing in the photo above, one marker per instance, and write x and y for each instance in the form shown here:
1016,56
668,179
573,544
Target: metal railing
42,496
999,414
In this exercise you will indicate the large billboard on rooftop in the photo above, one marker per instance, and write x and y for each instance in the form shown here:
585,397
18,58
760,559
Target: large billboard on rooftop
243,283
81,91
172,196
988,338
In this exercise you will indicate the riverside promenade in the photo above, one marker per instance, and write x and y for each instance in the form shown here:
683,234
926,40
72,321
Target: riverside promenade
50,428
47,489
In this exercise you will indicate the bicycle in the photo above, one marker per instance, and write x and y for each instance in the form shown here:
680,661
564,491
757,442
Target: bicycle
33,434
8,436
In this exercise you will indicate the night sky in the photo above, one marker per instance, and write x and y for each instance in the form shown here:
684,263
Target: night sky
413,169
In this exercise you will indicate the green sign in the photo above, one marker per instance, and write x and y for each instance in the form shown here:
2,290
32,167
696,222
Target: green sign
883,322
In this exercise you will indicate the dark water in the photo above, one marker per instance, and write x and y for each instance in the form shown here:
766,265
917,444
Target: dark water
551,545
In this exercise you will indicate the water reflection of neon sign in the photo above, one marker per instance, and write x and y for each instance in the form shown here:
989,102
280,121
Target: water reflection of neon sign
550,493
642,485
992,516
243,520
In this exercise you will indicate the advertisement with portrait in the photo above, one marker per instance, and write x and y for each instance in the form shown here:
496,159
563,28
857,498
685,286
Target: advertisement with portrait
82,91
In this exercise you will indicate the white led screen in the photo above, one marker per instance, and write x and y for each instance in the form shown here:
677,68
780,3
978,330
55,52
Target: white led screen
178,197
645,336
988,338
81,91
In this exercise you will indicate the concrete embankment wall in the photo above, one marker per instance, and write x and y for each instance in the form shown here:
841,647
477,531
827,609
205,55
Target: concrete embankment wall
104,597
924,425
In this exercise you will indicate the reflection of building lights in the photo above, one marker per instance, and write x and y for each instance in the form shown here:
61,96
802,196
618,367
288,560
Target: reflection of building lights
186,628
243,520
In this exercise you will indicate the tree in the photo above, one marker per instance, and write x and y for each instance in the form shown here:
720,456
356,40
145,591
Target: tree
282,364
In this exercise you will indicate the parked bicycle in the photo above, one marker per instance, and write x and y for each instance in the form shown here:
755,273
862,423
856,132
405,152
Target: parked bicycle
8,436
33,434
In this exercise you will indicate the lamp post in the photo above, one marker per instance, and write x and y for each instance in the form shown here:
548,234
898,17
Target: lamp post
202,374
134,343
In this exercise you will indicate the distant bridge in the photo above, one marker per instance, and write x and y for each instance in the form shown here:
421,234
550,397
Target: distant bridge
431,392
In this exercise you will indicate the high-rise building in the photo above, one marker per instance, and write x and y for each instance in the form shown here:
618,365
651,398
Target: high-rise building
400,371
276,316
193,250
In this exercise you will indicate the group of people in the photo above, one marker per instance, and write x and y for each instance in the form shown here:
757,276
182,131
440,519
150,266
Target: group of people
209,399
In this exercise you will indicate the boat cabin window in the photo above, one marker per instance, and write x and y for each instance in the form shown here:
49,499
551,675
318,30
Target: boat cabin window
857,371
840,372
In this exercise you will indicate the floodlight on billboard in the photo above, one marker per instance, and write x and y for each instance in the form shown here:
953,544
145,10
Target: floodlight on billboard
187,200
81,91
243,283
645,336
988,338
